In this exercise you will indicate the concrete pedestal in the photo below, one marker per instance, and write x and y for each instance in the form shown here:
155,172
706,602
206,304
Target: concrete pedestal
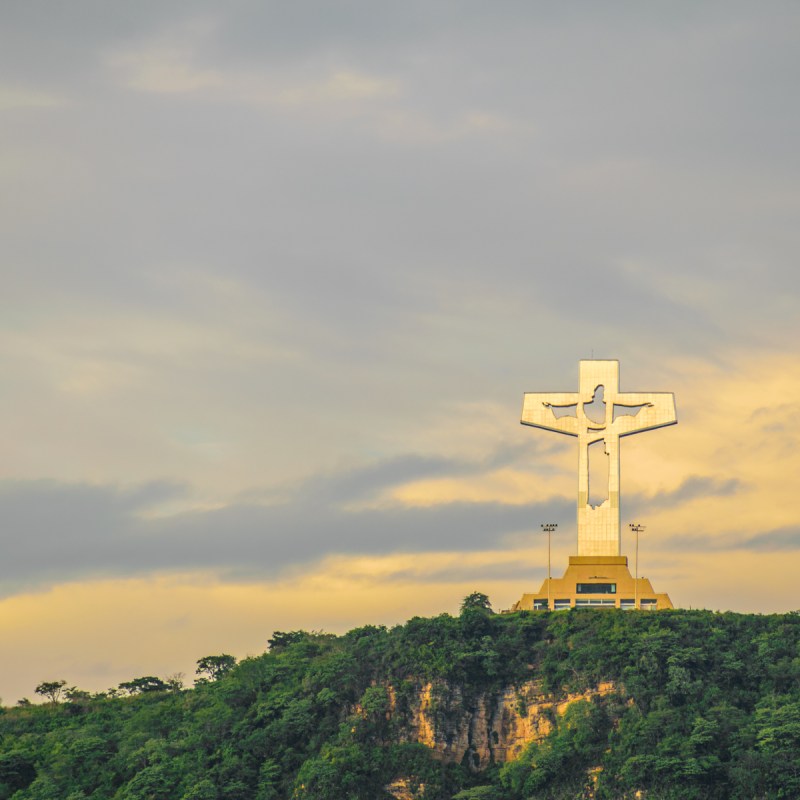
595,582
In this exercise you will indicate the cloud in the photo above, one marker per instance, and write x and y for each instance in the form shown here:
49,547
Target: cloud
169,61
78,530
16,97
782,539
347,486
725,543
164,70
691,488
180,62
415,127
338,86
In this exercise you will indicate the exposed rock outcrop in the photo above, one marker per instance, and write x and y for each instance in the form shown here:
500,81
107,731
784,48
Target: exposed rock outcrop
487,727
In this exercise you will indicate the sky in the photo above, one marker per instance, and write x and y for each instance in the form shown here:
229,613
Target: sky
275,277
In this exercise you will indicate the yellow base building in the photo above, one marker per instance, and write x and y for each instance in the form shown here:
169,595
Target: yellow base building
595,582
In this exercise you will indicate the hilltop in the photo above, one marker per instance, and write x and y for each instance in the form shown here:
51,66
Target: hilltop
607,704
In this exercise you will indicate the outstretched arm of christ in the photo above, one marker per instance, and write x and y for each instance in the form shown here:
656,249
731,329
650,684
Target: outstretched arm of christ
647,411
538,411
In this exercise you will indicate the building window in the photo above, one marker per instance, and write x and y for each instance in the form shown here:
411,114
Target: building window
584,602
540,605
648,605
627,603
561,605
596,588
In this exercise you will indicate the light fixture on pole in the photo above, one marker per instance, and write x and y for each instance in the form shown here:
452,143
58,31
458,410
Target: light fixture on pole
548,528
637,529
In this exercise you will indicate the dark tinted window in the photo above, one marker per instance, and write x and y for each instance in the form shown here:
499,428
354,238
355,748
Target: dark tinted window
596,588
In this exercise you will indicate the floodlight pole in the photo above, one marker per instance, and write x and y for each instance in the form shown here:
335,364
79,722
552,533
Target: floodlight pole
548,528
637,529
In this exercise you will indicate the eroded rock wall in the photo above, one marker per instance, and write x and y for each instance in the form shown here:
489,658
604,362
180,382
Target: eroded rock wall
486,727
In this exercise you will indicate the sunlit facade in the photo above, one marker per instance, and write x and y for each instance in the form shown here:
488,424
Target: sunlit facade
595,582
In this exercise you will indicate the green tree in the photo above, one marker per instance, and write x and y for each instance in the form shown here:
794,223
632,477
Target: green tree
150,783
282,639
75,695
778,739
17,771
51,689
479,793
476,601
148,683
174,682
203,790
214,667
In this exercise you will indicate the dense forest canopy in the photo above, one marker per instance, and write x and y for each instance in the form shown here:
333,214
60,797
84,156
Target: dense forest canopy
705,705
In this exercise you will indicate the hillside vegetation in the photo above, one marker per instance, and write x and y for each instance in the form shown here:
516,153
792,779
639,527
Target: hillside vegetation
703,705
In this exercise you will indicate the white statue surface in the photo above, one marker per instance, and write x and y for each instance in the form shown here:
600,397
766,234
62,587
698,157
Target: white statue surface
598,413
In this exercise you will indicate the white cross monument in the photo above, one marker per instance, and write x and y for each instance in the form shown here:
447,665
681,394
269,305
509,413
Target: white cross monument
599,415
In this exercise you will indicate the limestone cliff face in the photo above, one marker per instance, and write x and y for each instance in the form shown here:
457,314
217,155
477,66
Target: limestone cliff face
485,727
